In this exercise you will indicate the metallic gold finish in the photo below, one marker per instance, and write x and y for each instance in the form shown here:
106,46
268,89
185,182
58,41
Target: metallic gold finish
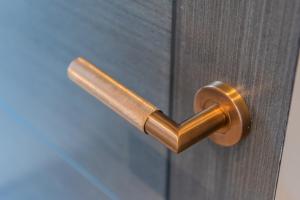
120,99
232,104
178,137
221,112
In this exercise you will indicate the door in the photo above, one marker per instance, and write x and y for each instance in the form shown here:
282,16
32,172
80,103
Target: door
252,45
58,142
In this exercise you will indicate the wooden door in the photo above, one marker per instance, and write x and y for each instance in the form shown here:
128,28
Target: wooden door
58,142
252,45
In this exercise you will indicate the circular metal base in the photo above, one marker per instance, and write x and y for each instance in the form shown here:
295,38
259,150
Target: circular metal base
233,105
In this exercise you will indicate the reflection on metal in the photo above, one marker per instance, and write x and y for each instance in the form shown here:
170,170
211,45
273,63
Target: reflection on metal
221,112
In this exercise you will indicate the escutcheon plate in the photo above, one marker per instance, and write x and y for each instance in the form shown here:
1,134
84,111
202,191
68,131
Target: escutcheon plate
233,105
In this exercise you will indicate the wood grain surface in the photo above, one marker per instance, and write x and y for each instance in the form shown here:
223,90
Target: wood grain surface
32,168
128,39
251,45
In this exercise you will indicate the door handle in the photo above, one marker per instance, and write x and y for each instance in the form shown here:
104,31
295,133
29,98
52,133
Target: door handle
221,112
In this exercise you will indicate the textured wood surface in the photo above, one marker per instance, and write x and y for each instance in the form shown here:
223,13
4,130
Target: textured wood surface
32,169
251,45
128,39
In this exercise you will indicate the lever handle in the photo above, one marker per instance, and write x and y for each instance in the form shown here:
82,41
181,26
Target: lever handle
224,116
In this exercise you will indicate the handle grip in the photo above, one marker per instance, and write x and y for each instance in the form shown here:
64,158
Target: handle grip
120,99
224,116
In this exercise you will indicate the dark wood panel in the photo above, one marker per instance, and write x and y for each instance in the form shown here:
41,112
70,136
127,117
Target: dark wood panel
131,41
251,45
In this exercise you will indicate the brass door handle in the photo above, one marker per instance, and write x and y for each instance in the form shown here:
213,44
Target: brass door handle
221,112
